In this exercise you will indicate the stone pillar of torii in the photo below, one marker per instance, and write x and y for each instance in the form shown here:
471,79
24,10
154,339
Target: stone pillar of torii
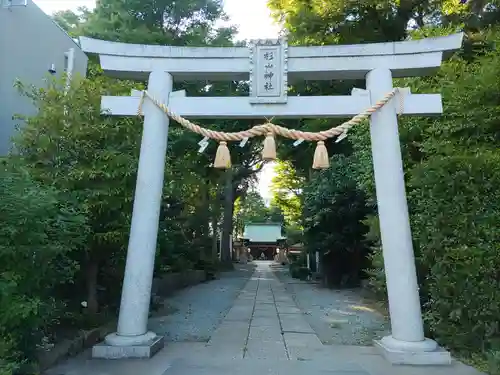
270,66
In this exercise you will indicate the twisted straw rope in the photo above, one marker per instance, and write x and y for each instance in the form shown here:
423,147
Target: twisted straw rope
269,128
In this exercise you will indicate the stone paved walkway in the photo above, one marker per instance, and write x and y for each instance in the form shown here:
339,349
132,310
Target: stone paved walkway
263,333
338,316
264,323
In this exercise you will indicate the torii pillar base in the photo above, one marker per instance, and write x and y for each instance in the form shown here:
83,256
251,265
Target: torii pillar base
419,353
118,347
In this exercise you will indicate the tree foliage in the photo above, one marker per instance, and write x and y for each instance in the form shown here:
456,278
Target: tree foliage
286,188
158,22
38,238
457,225
333,210
251,208
68,144
346,22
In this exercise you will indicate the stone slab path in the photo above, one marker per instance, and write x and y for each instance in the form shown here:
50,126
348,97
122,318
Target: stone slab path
338,316
264,323
264,332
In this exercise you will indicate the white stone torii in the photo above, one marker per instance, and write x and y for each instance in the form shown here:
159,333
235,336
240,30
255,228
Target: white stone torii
270,65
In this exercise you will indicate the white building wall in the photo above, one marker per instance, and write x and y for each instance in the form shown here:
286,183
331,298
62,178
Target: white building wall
30,42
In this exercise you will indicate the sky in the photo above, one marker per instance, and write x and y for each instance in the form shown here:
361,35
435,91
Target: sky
250,16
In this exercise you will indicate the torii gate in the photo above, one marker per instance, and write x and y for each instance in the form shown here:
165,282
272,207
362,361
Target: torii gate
271,65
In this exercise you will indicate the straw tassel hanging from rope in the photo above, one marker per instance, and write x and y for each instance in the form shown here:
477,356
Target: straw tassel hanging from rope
321,160
269,150
222,157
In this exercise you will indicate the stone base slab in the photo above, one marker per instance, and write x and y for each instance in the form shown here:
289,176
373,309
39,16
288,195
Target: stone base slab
439,356
146,350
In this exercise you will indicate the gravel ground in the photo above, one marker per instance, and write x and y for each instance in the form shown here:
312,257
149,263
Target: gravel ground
197,311
339,317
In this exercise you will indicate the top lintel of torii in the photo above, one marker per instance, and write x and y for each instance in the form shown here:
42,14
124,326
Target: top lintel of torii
404,59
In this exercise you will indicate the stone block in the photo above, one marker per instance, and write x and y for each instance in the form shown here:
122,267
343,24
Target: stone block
303,353
266,350
231,333
309,340
286,303
288,310
395,357
268,321
147,350
295,323
264,313
265,334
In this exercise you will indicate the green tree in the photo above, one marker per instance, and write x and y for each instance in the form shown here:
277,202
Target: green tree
286,188
72,22
40,233
250,208
334,208
68,144
347,22
158,22
455,226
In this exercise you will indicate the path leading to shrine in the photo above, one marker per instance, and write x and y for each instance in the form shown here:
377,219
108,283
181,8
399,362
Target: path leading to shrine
267,330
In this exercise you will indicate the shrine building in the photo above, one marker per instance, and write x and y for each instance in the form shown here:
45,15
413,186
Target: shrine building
264,238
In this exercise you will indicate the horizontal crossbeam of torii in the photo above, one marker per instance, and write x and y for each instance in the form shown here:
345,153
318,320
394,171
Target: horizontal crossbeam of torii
404,59
296,106
270,66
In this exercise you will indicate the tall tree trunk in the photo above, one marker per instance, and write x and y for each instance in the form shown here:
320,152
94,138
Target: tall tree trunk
215,226
227,223
205,212
214,237
91,273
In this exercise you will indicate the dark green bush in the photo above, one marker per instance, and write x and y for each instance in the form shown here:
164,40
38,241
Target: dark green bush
37,234
455,203
455,211
292,257
303,273
298,272
493,362
334,208
294,268
210,266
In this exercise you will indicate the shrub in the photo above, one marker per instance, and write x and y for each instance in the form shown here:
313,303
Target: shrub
303,273
455,203
376,275
68,144
493,362
38,231
294,270
455,230
334,208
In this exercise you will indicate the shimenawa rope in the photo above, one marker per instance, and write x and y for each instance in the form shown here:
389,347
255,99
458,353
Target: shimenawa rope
321,160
